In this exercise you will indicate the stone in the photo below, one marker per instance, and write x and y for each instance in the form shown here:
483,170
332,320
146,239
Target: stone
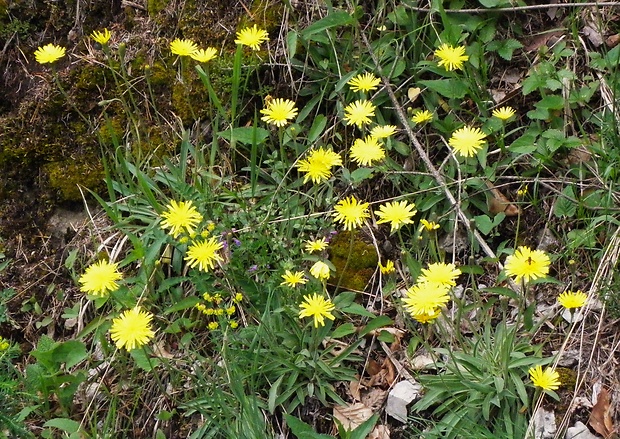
579,431
544,424
401,395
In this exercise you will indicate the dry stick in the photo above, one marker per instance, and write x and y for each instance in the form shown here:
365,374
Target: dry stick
515,8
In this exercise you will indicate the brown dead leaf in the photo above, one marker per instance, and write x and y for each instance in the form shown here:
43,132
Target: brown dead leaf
498,202
375,398
380,432
352,416
612,40
593,34
600,417
355,391
413,93
540,40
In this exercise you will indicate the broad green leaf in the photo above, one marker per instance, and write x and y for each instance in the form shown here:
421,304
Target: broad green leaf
188,302
245,135
449,88
376,323
64,424
334,19
343,330
526,144
142,359
318,125
552,102
565,205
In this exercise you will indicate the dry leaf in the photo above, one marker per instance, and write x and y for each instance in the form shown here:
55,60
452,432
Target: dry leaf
354,390
600,417
375,398
380,432
540,40
352,416
413,93
499,203
595,37
612,40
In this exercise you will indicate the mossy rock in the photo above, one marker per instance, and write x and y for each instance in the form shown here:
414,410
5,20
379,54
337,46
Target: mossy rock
354,259
69,175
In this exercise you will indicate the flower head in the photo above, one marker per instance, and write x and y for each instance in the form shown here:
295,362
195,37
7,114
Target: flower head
527,264
101,37
183,47
383,131
279,111
422,116
320,270
318,164
504,113
4,344
396,213
213,326
451,58
441,273
467,141
293,279
203,254
351,212
364,152
429,226
317,245
100,278
548,379
426,298
318,307
252,37
364,82
427,317
387,268
49,53
359,113
204,55
180,217
573,299
132,329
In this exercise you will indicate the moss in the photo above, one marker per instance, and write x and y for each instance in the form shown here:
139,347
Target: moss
65,177
354,259
154,7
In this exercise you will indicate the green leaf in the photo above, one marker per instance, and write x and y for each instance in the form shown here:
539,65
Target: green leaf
484,224
526,144
361,174
386,337
142,359
565,206
70,352
343,330
334,19
64,424
532,83
506,48
186,303
318,125
552,102
291,43
247,135
449,88
357,309
376,323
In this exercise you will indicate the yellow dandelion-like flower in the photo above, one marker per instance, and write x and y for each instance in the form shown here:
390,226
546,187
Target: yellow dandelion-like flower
233,324
293,279
426,298
317,307
451,58
427,317
183,47
351,213
204,55
440,273
364,82
429,226
359,113
101,37
203,254
467,141
364,152
527,264
573,299
132,329
99,279
317,245
49,53
320,270
279,112
397,213
422,116
383,131
547,379
180,217
504,113
318,165
238,298
4,344
231,310
387,268
252,37
213,326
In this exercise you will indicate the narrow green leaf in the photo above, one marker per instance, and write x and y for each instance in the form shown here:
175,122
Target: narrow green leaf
334,19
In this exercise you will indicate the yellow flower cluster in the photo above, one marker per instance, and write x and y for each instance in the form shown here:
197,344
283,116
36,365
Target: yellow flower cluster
216,306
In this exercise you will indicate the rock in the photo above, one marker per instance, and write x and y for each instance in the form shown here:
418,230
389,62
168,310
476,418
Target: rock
544,424
401,395
580,431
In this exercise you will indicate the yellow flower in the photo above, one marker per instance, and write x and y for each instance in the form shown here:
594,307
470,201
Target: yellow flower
573,299
252,37
429,226
383,131
317,245
49,53
427,317
293,279
320,270
425,298
279,111
231,310
317,307
203,254
548,379
396,213
183,47
101,37
359,113
467,141
100,278
238,298
440,273
364,82
364,152
179,217
213,326
318,165
504,113
4,344
204,55
422,116
351,212
233,324
132,329
451,58
527,264
388,268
